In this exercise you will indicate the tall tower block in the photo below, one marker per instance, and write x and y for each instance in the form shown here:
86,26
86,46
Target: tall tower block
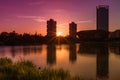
51,28
103,17
72,30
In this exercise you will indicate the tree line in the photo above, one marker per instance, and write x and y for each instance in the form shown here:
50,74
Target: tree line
13,38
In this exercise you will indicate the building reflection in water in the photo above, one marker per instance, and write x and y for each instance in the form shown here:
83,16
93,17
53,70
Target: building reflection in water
87,49
115,49
102,63
72,53
51,54
102,59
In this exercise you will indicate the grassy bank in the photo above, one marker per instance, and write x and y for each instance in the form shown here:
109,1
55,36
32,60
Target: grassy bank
26,70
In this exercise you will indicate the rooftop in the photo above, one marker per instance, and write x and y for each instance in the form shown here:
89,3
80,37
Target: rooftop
103,6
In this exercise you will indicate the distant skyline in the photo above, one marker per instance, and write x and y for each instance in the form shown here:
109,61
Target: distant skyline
30,16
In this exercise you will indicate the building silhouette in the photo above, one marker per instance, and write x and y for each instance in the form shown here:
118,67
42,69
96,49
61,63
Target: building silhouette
72,30
103,17
92,35
51,28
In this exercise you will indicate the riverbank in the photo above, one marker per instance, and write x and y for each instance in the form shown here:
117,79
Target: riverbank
26,70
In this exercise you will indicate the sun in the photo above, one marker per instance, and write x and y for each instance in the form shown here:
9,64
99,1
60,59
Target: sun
59,33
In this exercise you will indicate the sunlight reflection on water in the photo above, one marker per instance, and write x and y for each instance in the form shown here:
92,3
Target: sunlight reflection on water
88,61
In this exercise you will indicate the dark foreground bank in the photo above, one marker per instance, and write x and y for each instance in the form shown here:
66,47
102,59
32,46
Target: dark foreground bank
26,70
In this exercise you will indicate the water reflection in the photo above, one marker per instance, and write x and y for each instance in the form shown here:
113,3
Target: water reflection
51,54
32,49
91,61
102,59
13,51
102,62
25,50
72,53
115,49
91,48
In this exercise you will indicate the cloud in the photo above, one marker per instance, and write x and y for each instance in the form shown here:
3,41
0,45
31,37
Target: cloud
7,20
40,20
35,18
35,3
77,22
84,21
27,16
58,10
62,24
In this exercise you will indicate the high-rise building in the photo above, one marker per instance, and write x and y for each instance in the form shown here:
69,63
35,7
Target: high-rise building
51,28
72,30
103,17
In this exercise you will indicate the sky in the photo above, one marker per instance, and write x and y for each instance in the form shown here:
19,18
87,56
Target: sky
30,16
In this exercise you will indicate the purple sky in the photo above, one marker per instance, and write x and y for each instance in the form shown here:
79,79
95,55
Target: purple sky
30,16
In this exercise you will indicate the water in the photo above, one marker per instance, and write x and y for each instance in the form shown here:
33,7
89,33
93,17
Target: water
94,62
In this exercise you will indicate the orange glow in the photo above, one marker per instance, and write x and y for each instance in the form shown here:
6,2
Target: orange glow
59,33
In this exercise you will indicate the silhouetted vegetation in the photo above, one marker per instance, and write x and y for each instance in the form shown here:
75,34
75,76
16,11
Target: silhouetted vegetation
14,38
25,70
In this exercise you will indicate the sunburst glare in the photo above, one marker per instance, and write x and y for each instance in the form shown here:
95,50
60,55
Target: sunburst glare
59,34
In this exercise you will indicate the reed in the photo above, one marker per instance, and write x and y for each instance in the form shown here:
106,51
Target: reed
26,70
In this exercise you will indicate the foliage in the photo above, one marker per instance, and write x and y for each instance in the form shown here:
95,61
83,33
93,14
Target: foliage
14,38
26,70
